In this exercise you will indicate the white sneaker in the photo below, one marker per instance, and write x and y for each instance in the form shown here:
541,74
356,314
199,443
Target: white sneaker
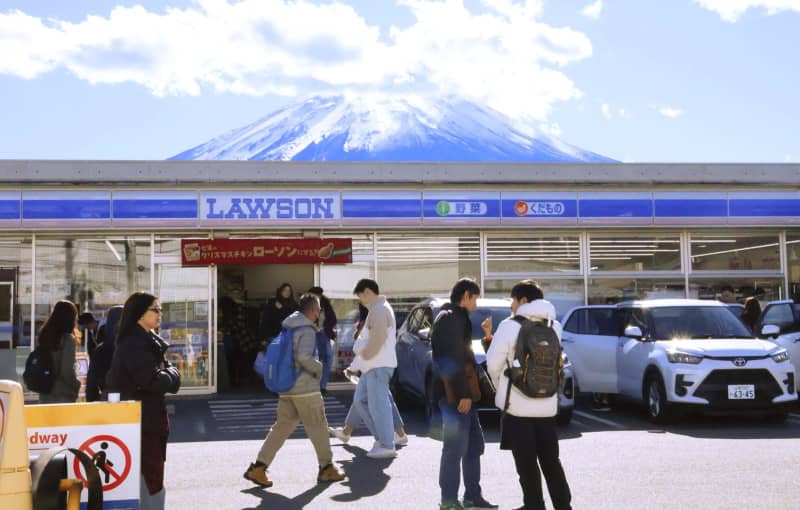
378,452
339,434
400,440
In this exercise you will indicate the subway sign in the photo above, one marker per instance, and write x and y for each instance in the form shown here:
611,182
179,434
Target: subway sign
272,207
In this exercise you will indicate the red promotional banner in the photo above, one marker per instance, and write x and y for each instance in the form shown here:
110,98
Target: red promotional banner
204,252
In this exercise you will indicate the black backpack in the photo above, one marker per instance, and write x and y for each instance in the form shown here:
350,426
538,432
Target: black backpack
38,375
537,370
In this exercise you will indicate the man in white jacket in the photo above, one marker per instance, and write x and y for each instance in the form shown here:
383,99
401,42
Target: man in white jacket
529,426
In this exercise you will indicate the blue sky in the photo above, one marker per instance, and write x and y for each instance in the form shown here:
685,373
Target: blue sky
635,80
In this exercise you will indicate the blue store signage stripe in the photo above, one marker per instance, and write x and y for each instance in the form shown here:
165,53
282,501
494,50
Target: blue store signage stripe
616,208
9,210
381,208
687,208
155,209
66,210
765,207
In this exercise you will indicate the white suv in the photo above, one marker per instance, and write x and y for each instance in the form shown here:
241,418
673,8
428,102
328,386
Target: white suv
674,352
784,319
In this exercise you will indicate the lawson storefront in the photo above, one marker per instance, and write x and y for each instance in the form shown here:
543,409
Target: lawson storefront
194,232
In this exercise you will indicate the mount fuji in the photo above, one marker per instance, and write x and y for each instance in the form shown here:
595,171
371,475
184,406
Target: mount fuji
371,128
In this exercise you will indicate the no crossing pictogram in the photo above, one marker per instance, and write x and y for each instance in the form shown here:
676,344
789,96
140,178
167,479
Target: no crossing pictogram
112,458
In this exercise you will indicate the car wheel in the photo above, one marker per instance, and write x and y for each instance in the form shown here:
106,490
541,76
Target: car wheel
658,409
564,416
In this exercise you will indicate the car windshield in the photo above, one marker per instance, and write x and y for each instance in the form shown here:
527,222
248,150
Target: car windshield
700,322
480,314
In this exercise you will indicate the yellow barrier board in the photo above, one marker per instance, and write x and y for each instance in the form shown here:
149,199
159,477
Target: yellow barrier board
108,432
15,475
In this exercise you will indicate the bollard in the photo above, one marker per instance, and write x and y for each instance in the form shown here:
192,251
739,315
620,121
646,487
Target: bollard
15,474
50,482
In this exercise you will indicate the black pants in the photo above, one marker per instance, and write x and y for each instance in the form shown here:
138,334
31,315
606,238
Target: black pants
534,443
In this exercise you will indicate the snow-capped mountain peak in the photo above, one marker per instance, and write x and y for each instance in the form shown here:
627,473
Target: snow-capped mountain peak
385,128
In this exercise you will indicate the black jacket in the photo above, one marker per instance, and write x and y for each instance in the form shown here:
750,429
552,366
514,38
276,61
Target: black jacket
139,371
451,343
103,354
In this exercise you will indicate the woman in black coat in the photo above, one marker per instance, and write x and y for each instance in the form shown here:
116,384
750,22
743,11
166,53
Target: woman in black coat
276,311
140,371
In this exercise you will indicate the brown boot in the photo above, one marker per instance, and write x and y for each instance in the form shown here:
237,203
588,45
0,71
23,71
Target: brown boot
330,473
257,473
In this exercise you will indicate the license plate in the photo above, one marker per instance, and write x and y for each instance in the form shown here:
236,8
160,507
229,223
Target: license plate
741,392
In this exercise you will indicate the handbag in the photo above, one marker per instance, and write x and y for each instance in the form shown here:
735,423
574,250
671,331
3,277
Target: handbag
470,373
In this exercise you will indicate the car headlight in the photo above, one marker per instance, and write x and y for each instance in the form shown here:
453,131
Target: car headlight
780,356
684,357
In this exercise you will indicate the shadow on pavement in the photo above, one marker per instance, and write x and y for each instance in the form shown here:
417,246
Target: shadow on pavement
365,476
271,500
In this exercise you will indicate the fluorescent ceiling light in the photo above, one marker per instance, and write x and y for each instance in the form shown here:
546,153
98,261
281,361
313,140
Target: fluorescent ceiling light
113,250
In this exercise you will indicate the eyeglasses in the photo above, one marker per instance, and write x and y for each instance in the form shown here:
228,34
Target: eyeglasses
156,309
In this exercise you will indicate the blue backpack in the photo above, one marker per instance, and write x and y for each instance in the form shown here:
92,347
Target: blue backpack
279,373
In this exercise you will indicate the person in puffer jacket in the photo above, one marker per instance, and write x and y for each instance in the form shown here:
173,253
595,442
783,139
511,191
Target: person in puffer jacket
529,425
303,402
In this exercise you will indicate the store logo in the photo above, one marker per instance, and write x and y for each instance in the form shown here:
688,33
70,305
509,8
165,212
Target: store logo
521,208
443,208
250,208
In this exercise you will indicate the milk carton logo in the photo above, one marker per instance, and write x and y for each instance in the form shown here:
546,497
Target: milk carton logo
461,208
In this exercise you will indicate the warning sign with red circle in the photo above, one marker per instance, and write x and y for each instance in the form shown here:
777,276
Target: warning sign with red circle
111,457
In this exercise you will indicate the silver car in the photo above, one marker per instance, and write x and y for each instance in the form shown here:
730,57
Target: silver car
780,323
413,376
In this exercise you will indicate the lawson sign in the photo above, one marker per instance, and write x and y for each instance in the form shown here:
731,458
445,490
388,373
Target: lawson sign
272,207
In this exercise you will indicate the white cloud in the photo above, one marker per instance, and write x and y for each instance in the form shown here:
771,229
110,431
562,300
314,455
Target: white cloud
668,111
593,10
731,10
606,109
504,56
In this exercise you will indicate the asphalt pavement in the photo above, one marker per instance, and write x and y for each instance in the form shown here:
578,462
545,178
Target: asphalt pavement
613,460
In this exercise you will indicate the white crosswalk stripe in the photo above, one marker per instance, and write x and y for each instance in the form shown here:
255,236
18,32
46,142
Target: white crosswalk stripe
257,415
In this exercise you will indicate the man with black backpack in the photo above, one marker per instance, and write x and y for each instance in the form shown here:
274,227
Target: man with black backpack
524,362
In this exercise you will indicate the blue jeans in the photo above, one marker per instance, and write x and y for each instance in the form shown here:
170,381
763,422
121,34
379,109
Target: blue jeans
461,450
372,402
354,418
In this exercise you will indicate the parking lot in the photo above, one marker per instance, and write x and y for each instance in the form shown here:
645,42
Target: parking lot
613,460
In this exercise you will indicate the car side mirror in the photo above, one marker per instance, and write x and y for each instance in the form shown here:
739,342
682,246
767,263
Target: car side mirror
633,332
424,333
770,330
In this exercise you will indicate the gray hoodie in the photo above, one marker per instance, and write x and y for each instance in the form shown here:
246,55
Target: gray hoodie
305,341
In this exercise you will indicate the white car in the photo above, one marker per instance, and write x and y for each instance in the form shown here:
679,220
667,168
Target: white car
783,317
669,353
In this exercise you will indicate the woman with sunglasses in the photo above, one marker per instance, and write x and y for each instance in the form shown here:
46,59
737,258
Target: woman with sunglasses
140,371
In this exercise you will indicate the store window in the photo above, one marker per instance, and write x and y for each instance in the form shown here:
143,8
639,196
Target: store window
793,263
95,274
564,294
521,253
338,282
15,306
646,252
604,291
412,267
736,289
732,251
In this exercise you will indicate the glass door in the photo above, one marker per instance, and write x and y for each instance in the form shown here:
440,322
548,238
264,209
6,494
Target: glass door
186,294
8,362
